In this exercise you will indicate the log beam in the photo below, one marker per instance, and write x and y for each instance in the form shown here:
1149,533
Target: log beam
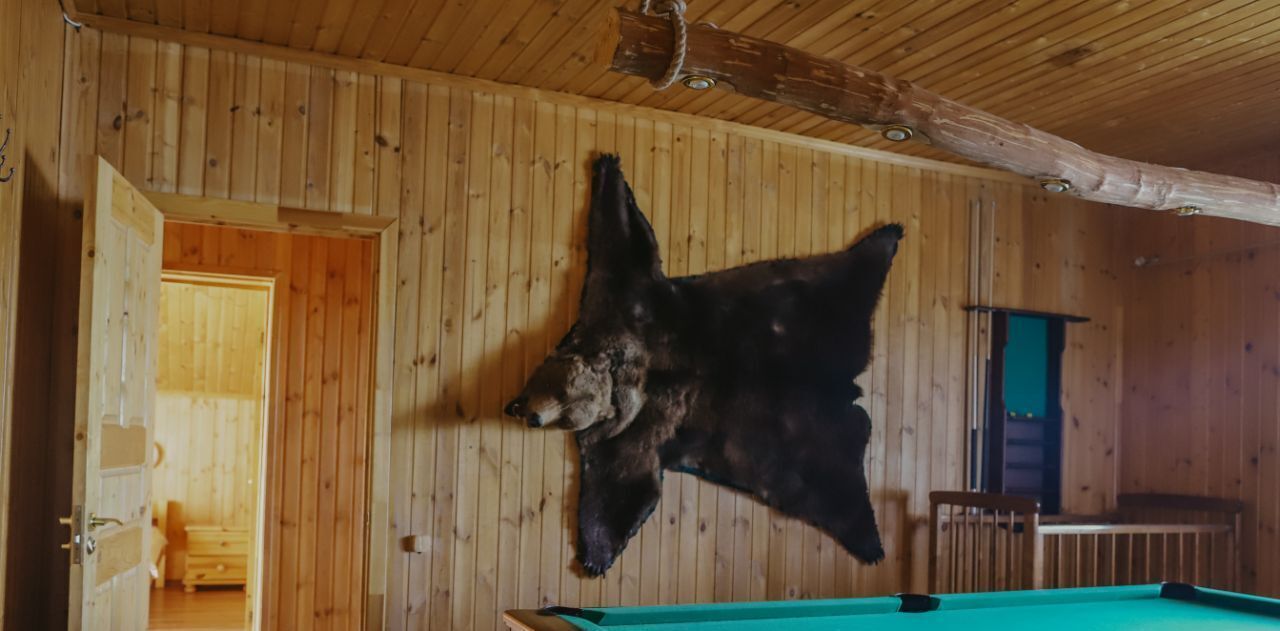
641,45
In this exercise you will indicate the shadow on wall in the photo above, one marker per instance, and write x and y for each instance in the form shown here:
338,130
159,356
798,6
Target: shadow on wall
902,532
495,367
43,423
470,396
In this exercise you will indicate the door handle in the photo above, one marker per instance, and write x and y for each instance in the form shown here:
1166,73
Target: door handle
95,521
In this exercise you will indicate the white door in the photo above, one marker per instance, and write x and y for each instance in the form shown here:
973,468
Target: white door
115,405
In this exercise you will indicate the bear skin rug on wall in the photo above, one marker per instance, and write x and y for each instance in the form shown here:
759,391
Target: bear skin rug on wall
743,377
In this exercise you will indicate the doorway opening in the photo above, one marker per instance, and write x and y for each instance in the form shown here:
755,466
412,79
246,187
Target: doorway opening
305,544
212,390
324,461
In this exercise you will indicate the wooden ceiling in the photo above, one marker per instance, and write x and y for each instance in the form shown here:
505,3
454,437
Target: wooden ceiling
1174,82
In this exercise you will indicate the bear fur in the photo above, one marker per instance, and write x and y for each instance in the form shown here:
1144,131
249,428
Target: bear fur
743,377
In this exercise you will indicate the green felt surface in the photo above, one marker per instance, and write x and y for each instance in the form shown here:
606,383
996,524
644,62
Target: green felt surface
1134,607
1026,366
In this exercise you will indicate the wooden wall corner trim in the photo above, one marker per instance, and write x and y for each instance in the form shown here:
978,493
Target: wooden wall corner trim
188,208
338,62
8,299
381,529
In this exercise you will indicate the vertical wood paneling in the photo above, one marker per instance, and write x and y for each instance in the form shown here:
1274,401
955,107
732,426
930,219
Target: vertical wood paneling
231,361
284,557
1202,367
536,340
413,570
1057,256
644,558
209,468
208,416
33,223
491,195
10,231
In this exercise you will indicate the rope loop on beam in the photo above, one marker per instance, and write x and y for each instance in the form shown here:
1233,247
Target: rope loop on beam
674,10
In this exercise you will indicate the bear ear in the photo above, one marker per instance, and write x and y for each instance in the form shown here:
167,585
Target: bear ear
621,247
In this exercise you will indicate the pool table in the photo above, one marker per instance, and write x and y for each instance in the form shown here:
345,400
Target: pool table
1165,606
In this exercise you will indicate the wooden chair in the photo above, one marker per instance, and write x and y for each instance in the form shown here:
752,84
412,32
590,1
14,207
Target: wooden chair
1146,508
1139,503
986,542
992,542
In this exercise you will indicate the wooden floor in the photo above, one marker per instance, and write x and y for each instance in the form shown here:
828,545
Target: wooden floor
209,609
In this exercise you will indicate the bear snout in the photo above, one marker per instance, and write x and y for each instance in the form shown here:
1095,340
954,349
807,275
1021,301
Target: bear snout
517,408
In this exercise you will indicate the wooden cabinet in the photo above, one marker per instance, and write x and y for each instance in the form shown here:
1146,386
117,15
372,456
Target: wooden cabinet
216,556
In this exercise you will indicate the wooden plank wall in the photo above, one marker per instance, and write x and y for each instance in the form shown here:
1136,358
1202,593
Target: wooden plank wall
31,89
212,339
1182,62
317,466
210,466
212,347
1055,254
490,188
10,225
1202,367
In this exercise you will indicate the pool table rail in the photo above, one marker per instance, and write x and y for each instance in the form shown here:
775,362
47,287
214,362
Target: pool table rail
1181,605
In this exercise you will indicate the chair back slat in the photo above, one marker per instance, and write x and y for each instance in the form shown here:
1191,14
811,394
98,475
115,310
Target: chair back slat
983,542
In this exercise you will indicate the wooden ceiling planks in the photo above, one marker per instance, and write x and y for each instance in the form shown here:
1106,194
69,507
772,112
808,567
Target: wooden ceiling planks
1103,77
1095,78
1138,79
1164,70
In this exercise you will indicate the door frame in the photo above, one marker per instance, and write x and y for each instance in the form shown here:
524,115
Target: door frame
383,231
